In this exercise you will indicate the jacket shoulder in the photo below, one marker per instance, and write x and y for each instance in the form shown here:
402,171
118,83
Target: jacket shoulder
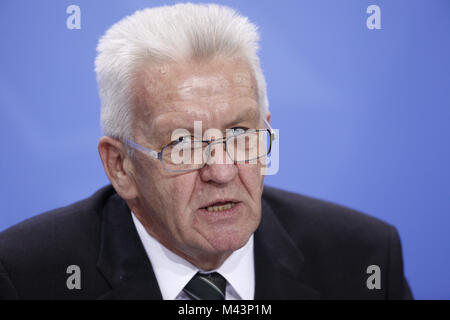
339,244
56,223
35,253
310,215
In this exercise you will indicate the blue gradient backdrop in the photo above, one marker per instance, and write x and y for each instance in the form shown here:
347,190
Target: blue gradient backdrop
363,114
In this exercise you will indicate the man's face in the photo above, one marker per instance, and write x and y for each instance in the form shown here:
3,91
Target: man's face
222,94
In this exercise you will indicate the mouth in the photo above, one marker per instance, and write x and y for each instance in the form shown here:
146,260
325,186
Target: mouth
222,211
220,206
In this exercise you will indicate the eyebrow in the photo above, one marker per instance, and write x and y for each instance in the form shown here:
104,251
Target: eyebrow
246,114
177,125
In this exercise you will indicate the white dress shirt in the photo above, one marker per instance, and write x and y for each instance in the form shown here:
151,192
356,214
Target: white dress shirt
174,272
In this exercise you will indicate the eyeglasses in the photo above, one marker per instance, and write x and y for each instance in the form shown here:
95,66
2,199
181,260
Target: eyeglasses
187,154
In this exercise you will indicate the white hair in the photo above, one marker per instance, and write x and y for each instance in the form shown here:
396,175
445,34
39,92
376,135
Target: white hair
163,34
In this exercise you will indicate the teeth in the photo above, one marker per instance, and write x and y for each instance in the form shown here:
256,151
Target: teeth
227,206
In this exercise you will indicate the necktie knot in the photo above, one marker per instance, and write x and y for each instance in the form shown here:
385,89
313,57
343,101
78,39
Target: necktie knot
206,286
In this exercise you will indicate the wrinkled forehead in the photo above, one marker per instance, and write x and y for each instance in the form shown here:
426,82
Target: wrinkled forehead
216,92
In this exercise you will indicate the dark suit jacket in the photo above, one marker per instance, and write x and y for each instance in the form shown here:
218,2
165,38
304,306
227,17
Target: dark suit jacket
304,249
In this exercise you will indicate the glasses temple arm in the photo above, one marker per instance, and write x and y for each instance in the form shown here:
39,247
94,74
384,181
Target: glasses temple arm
148,151
272,132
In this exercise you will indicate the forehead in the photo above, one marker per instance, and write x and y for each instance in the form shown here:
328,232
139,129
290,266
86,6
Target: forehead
213,91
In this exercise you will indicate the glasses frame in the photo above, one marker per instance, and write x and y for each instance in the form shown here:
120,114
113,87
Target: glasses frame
158,154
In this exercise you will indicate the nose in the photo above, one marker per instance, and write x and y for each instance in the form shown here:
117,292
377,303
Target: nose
218,169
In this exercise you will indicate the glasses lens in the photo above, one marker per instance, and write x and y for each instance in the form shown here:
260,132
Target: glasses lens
184,156
190,155
249,146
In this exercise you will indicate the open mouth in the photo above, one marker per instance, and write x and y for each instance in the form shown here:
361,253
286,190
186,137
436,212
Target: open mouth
220,206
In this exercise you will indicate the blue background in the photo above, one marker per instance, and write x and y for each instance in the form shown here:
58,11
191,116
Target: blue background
363,114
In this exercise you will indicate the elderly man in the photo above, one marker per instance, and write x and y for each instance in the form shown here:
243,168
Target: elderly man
186,135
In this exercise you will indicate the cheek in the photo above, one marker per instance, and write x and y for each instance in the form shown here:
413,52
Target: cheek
170,192
181,189
251,178
167,198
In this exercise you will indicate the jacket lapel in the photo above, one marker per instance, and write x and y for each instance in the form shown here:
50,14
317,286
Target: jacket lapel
122,259
278,262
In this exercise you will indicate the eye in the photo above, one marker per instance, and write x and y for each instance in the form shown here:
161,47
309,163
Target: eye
238,130
181,140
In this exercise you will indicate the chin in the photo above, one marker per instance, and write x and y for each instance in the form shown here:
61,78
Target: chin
226,236
228,241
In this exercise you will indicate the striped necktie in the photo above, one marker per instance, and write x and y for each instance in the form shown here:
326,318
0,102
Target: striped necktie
206,286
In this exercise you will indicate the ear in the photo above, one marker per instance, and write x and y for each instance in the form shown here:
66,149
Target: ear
118,167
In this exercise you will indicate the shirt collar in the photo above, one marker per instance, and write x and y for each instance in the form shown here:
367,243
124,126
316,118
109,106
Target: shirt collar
174,272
